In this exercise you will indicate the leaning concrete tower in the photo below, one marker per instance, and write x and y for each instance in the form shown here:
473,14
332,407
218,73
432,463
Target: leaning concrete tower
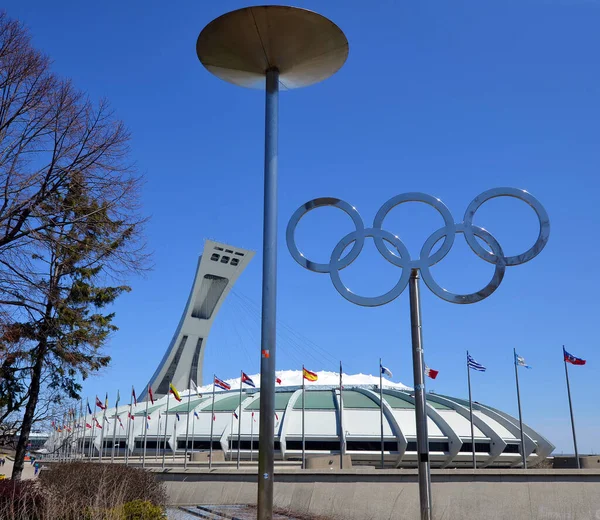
218,269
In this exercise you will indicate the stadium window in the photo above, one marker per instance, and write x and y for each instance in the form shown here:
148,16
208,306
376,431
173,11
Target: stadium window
511,448
234,261
218,248
480,447
215,257
229,251
224,259
239,254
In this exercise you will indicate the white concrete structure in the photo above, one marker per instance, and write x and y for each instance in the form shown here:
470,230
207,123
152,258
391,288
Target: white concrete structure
497,434
219,267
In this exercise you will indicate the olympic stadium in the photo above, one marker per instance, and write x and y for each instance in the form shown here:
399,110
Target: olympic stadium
333,424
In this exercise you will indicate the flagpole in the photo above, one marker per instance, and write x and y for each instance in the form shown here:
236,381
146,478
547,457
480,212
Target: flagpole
252,436
303,438
239,422
82,426
212,424
114,435
103,426
571,410
129,427
193,434
93,432
381,410
471,414
158,438
175,436
230,437
146,427
187,424
164,447
520,414
341,421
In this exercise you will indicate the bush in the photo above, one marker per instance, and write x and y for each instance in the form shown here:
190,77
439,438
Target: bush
79,490
142,510
21,500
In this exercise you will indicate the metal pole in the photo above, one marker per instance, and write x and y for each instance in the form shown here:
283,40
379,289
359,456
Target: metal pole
266,438
193,437
341,422
114,435
146,428
381,410
420,406
303,437
212,424
187,424
571,410
175,437
158,438
128,431
471,414
252,437
93,433
239,423
520,414
102,429
164,446
230,438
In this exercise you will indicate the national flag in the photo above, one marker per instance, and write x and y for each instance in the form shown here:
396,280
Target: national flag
174,391
385,371
106,420
150,394
235,415
98,425
177,414
106,400
308,375
429,372
222,384
278,380
118,399
247,380
214,417
99,404
131,416
89,409
253,416
134,396
196,415
520,361
195,386
119,419
471,363
276,416
88,425
570,358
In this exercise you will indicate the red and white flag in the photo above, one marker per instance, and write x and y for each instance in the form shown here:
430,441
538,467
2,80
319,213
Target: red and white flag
100,404
278,380
430,372
150,394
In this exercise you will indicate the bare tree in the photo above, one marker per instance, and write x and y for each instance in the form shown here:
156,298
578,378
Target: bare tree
70,226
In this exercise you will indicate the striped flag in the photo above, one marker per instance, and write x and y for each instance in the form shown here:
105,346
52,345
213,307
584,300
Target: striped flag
429,372
151,394
89,409
308,375
520,361
222,384
247,380
174,391
570,358
471,363
99,404
119,419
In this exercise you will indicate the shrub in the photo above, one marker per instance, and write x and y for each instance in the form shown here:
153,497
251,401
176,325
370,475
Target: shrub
21,500
142,510
98,491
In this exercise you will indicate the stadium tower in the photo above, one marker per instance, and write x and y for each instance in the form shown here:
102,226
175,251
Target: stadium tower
219,267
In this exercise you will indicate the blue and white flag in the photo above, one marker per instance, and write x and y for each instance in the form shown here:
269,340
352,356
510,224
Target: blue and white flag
471,363
385,371
196,415
520,361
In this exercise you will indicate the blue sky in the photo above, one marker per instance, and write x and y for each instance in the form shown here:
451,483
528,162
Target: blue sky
448,98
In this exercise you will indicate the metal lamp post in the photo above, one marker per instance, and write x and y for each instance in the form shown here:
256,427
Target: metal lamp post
273,48
412,270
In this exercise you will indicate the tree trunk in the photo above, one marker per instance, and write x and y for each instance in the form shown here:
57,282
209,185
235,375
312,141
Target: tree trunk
34,393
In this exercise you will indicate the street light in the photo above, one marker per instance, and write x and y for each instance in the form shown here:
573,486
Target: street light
273,48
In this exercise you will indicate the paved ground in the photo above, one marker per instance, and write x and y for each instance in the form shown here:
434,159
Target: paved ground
28,471
222,512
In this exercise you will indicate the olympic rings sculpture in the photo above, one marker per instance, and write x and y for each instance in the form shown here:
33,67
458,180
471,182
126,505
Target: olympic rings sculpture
426,260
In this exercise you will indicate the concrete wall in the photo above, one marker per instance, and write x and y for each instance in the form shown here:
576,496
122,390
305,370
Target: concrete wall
365,494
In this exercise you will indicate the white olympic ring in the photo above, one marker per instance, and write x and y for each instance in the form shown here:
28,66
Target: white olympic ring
426,260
